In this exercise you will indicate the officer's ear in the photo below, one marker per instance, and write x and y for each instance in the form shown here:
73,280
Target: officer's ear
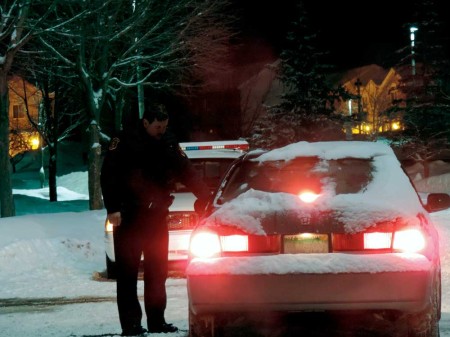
145,122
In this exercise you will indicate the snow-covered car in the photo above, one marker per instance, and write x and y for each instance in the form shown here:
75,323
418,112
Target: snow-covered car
212,159
329,227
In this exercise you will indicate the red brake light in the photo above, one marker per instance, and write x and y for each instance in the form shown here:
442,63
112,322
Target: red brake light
228,241
205,244
308,196
209,244
409,240
406,240
377,240
234,243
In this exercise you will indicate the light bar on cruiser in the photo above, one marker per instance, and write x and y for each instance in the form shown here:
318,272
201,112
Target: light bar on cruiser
235,145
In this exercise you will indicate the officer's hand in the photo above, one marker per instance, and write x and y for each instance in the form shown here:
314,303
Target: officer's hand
115,218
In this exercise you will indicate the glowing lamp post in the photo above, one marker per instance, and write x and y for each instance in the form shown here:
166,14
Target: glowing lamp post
412,36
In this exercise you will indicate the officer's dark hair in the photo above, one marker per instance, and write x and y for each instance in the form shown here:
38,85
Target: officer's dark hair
155,112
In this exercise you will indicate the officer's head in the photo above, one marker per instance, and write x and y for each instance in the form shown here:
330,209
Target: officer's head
155,120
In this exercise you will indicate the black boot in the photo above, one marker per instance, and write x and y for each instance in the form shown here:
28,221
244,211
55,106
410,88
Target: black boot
135,330
162,328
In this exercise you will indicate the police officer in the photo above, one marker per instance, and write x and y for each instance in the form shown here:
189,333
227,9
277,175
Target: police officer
136,178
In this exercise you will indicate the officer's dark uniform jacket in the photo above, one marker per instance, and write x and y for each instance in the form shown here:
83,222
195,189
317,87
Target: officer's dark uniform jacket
139,172
137,175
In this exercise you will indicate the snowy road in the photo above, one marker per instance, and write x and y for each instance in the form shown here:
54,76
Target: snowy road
30,305
79,316
96,317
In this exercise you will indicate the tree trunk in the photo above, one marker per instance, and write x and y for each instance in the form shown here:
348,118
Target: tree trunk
7,207
53,131
95,192
52,152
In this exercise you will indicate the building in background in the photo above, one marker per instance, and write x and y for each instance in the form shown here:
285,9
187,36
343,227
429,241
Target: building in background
374,108
24,102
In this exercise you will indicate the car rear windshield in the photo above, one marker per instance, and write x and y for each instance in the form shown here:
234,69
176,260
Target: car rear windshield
341,176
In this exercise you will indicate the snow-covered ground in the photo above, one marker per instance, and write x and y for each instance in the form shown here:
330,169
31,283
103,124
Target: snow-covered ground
58,253
59,256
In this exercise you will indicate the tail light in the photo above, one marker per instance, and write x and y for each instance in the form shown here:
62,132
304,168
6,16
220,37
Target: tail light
234,243
222,241
206,244
377,240
411,240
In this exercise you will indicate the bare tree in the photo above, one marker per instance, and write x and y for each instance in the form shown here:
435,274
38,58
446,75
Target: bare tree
51,122
114,45
19,23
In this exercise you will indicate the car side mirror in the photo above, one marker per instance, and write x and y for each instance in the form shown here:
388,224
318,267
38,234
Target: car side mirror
220,201
437,202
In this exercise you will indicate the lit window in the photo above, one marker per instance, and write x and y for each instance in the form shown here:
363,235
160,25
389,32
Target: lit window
18,111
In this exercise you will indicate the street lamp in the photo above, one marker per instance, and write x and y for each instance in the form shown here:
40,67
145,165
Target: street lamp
34,142
412,37
140,87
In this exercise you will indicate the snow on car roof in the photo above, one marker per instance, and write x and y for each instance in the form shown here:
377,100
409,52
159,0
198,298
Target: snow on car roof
329,150
388,196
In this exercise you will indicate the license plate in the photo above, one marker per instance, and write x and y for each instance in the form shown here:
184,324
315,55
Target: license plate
305,243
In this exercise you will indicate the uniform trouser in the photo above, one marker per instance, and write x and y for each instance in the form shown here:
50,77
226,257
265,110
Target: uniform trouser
145,232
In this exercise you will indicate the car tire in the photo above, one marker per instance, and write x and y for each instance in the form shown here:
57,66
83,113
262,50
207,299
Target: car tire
432,328
426,324
201,325
111,270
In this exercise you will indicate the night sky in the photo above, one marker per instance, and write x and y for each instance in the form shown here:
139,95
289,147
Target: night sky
355,34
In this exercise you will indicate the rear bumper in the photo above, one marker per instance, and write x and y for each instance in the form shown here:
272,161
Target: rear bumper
407,291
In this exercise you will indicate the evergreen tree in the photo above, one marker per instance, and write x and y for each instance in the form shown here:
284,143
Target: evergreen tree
307,108
425,81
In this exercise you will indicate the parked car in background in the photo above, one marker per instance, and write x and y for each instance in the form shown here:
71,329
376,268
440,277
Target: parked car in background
329,227
211,159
